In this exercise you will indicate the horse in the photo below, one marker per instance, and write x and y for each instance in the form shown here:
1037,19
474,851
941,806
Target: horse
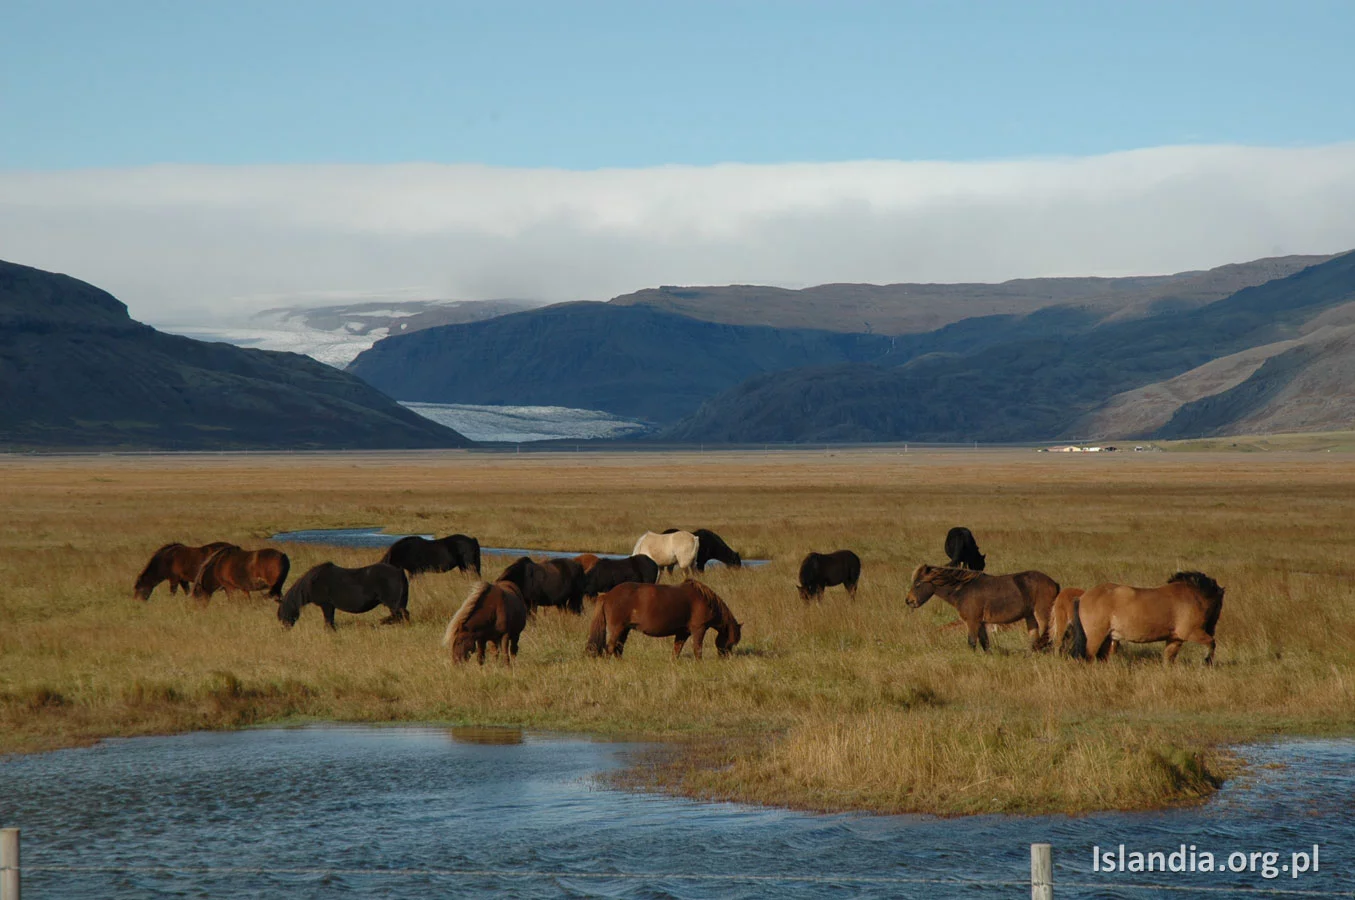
1061,619
710,546
555,582
983,600
677,548
332,587
233,569
962,550
587,560
416,554
492,615
821,570
1186,608
608,573
176,563
685,610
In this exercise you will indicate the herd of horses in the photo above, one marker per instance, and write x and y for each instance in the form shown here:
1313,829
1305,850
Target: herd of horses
1085,624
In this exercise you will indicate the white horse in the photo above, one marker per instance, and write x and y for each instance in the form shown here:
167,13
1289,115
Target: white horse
669,550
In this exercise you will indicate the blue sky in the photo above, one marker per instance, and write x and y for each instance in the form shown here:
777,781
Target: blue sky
589,85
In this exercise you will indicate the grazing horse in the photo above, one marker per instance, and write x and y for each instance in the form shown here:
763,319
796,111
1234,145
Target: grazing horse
677,548
962,550
821,570
983,600
332,587
415,554
608,573
555,582
587,560
1061,620
176,563
1186,608
685,610
232,569
710,546
492,615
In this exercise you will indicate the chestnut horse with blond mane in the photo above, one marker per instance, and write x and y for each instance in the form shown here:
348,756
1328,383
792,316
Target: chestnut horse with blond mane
493,615
982,599
681,611
1186,608
176,563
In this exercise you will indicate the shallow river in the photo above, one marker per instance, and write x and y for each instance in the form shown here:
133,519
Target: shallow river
413,812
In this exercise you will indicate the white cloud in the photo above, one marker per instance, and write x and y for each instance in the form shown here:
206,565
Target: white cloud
185,243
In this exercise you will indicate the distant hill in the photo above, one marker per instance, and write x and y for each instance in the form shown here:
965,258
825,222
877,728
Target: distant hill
77,372
1041,387
914,308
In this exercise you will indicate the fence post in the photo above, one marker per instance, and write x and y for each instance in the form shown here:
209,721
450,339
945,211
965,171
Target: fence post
1041,872
9,864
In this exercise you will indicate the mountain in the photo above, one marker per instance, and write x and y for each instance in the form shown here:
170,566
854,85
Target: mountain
630,361
76,371
1044,386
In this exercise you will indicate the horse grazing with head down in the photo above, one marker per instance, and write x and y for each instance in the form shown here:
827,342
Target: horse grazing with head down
555,582
332,587
710,546
608,573
822,570
962,550
675,548
1186,608
983,600
176,563
232,569
493,615
682,611
417,554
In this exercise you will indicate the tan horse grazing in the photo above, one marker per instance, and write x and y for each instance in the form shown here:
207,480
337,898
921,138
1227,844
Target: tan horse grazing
1186,608
176,563
982,599
674,548
1062,620
492,615
587,560
232,569
685,610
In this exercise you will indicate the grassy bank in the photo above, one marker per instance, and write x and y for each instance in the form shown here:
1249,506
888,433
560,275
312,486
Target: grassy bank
844,705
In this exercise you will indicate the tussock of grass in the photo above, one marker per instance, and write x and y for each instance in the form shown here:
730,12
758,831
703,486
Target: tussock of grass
845,704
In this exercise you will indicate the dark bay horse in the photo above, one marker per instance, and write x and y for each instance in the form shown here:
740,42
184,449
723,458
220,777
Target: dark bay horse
176,563
332,587
962,550
232,569
685,610
416,554
492,615
608,573
555,582
1186,608
821,570
710,546
983,600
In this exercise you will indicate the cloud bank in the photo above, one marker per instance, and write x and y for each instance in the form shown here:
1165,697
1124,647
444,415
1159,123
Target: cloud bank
200,243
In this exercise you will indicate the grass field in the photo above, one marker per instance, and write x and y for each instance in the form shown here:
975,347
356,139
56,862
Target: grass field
859,704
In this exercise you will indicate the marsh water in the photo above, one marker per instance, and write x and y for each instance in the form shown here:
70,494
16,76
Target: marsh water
405,812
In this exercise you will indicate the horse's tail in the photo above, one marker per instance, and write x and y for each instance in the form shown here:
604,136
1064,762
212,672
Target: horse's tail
597,632
1079,648
468,606
284,566
475,546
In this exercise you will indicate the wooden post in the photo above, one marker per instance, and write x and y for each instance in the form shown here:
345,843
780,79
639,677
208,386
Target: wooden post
9,864
1041,872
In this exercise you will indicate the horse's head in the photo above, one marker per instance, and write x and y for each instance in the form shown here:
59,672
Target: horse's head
289,607
738,560
463,645
144,585
728,635
922,588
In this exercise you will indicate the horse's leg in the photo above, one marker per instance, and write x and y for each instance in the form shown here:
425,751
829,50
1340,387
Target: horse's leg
1173,648
1037,639
851,589
983,636
329,616
1200,636
480,650
679,640
974,628
698,641
505,650
617,646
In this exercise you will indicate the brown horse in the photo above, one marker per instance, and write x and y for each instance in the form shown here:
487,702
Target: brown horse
659,610
983,599
1062,619
232,569
587,560
176,563
492,615
1186,608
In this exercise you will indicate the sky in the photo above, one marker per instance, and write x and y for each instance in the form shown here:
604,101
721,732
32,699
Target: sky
207,158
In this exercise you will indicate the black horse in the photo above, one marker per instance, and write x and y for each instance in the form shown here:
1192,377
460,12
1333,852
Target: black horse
821,570
608,573
963,550
711,546
555,582
332,587
415,554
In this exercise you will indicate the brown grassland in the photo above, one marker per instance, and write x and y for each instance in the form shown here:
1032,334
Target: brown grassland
846,704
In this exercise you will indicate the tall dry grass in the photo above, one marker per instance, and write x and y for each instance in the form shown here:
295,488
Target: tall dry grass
846,704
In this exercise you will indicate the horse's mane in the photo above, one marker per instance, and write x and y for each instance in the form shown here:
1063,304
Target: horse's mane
158,558
516,570
299,594
712,598
945,576
1200,582
478,592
